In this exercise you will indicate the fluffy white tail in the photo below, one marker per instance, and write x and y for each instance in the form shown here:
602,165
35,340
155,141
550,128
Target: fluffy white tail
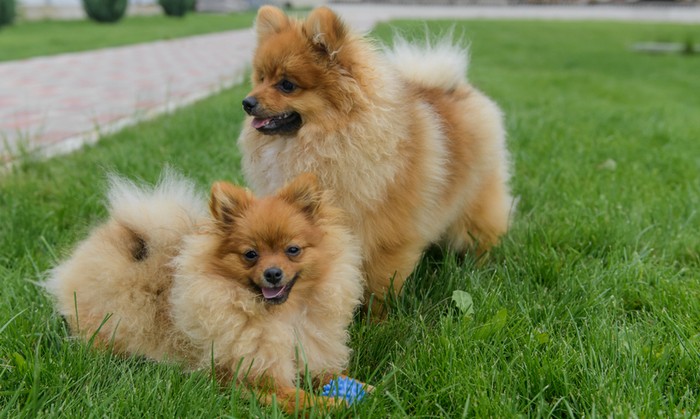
172,202
157,217
431,63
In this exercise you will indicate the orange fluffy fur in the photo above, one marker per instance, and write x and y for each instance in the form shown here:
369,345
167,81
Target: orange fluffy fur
173,283
413,153
217,304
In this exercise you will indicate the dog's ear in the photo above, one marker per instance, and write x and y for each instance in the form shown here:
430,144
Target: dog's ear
228,202
325,30
305,193
270,21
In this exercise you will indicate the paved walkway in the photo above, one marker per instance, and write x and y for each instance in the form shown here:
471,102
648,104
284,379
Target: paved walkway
363,16
53,105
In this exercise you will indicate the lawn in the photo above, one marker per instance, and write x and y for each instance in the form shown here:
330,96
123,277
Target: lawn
36,38
590,306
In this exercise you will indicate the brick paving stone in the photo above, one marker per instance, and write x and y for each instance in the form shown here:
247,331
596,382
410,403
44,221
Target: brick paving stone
45,100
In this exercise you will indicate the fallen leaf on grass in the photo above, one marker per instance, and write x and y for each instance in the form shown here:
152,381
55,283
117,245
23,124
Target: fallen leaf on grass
464,302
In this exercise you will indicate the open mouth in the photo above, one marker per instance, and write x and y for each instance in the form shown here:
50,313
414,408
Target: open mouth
283,123
275,295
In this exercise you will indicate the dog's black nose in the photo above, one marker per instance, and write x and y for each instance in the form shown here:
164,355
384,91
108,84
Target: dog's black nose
249,103
273,275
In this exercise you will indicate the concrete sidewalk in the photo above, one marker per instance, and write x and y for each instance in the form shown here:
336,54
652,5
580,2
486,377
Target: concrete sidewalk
53,105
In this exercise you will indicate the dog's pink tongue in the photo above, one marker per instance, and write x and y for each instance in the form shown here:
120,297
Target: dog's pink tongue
272,292
260,122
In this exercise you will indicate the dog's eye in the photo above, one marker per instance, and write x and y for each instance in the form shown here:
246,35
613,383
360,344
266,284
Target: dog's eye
293,251
286,86
251,255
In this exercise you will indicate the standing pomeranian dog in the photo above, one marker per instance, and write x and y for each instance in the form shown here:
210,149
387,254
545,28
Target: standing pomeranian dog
114,289
267,287
409,149
268,293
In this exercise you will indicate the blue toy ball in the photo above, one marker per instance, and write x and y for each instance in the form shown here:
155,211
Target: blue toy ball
345,387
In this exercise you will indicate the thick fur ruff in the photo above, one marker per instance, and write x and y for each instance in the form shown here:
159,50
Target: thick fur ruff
115,286
411,151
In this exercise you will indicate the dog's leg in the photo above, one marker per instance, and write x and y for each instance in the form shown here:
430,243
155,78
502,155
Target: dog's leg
386,272
483,222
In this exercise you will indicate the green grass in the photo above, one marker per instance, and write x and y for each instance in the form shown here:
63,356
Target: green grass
36,38
591,305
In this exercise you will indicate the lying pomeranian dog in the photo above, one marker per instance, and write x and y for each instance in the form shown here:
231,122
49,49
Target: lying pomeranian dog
411,151
271,289
267,287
